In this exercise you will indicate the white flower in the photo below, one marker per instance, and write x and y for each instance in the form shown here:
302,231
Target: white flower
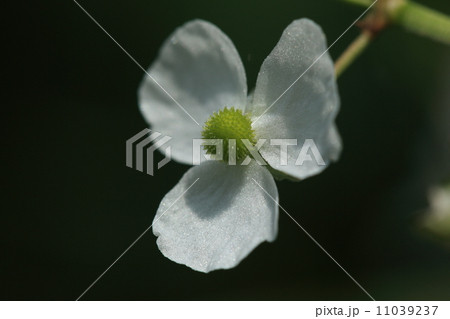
225,215
437,218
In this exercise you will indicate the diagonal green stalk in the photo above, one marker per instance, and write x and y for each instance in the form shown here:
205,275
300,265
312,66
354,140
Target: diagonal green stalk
424,21
364,3
352,52
414,17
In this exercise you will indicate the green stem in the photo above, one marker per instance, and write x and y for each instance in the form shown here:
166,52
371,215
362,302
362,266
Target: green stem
352,52
364,3
414,17
422,20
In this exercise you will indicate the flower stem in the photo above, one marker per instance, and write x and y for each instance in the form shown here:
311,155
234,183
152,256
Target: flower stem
424,21
352,52
413,17
364,3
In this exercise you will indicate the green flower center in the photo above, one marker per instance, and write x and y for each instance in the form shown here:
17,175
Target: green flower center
229,124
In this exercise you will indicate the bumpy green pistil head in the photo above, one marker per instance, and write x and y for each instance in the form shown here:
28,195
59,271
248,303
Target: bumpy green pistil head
229,124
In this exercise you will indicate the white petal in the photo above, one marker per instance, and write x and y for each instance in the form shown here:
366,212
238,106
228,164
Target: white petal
200,68
220,219
308,109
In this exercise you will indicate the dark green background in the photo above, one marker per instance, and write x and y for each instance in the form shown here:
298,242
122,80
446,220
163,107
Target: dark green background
71,206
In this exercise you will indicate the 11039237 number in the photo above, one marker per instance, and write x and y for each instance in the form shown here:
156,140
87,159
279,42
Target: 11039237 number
406,310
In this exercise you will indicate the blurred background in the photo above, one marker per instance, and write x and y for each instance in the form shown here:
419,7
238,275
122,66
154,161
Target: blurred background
71,206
